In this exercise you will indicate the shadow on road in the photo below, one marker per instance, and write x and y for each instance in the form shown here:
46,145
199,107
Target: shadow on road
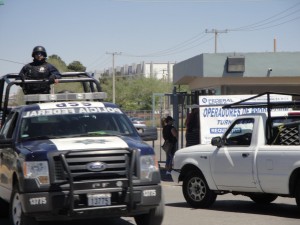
102,221
273,209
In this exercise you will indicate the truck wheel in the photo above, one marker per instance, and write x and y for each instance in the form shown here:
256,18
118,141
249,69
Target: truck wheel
3,208
297,194
196,191
16,214
154,217
263,198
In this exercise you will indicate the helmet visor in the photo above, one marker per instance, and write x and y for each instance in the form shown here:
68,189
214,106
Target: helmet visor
39,53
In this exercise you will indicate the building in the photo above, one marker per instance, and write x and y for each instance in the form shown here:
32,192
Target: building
155,70
240,73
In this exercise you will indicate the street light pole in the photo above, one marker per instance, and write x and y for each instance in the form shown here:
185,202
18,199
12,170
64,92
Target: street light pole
113,73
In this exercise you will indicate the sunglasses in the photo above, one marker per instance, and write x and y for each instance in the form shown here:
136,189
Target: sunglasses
39,53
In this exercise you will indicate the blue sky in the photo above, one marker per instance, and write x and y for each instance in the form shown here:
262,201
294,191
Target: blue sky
143,30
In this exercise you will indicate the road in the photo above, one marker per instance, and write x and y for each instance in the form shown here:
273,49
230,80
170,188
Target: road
227,210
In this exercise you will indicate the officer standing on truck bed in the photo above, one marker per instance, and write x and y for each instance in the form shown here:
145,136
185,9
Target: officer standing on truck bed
39,69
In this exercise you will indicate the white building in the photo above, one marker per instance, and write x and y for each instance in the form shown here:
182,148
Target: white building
156,70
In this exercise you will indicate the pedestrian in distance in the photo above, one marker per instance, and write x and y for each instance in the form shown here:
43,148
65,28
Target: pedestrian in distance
170,135
39,69
192,125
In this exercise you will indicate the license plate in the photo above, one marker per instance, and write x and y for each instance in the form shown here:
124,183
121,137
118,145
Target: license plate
99,199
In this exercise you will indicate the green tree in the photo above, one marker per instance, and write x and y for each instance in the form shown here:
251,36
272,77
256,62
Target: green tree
58,63
135,93
62,67
76,66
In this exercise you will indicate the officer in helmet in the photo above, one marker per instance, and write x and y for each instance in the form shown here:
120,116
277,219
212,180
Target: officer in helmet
39,69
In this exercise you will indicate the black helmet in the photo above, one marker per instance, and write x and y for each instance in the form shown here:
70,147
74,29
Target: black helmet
39,49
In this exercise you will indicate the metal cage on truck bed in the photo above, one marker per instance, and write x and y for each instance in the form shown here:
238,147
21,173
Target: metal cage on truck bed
287,134
91,90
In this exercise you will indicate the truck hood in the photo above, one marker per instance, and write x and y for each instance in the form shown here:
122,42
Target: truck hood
83,143
208,148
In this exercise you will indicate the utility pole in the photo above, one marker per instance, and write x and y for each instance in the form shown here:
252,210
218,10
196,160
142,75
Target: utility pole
215,31
113,73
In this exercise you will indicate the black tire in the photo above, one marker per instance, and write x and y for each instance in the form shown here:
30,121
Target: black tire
154,216
297,194
3,208
16,214
263,198
196,191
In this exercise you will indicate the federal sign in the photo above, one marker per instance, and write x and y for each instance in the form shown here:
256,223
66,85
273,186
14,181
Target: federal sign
214,120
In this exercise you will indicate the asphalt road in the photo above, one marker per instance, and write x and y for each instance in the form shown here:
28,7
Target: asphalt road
227,210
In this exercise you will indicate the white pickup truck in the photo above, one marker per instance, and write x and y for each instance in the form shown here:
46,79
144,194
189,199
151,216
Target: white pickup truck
258,156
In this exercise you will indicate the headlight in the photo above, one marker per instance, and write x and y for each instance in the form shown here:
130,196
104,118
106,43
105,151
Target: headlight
149,165
37,170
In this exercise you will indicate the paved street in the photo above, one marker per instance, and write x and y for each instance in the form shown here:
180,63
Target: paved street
227,210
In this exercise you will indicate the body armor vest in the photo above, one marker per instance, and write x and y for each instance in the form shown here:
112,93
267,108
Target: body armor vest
37,71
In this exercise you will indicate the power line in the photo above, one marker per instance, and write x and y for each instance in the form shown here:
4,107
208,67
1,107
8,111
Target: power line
216,32
254,26
275,20
6,60
175,49
181,47
99,62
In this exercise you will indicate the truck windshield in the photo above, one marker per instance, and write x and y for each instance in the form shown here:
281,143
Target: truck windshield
90,124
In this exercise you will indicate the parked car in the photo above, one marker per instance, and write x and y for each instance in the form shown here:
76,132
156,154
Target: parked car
138,123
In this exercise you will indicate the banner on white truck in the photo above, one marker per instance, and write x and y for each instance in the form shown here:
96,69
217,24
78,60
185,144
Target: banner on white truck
214,120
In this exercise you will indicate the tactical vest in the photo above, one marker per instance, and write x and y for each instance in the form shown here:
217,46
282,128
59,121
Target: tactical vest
37,72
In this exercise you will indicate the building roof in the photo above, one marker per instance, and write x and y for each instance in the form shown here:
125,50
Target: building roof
208,70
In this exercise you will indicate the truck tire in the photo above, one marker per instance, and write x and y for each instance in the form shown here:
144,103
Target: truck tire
263,198
196,191
297,194
3,208
154,217
16,214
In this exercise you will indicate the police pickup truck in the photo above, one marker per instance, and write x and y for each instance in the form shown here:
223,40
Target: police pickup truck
258,156
70,156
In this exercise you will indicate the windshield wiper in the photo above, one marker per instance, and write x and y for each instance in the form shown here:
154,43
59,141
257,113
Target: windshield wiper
101,134
42,137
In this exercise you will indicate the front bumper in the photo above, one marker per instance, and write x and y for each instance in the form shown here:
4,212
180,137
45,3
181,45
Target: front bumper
59,206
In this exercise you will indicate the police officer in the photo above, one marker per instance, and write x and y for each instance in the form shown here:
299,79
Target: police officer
39,69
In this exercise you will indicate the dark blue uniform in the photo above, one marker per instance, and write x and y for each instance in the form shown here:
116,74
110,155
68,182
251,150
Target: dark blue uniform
38,71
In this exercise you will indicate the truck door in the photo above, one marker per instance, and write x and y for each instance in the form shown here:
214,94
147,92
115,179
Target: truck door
7,152
232,164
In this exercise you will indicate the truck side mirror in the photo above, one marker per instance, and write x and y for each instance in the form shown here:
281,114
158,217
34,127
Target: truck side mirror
217,141
149,134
